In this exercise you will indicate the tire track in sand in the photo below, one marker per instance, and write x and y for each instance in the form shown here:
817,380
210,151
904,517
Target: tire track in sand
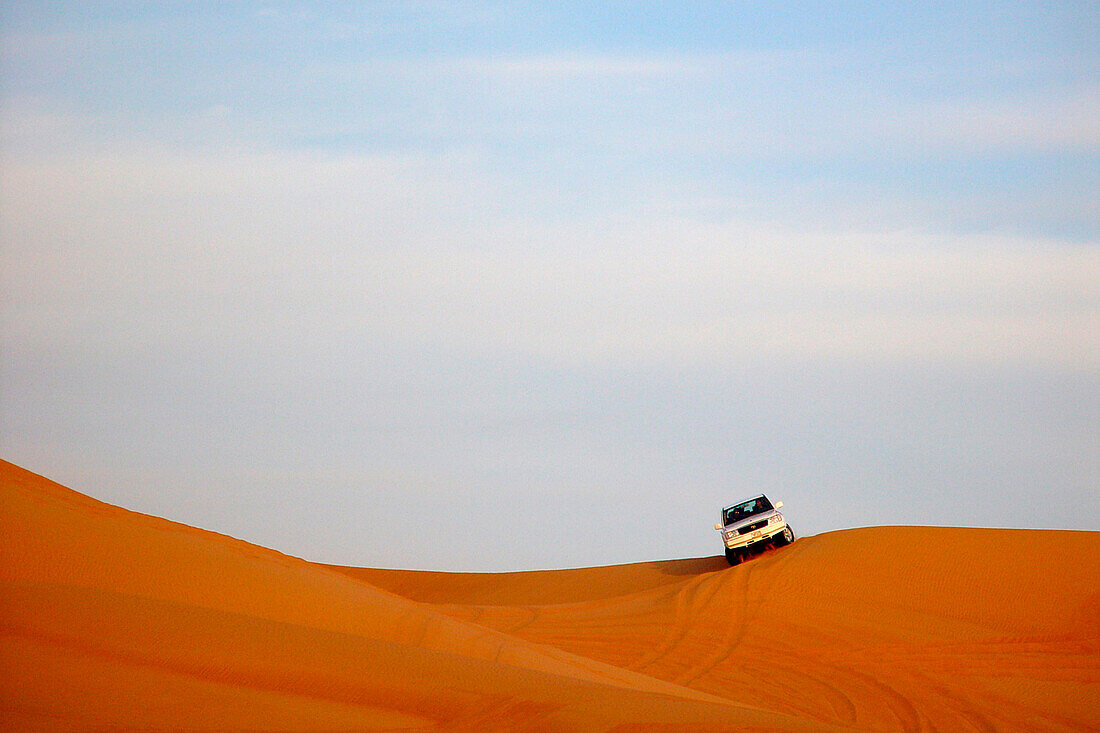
689,601
745,609
749,590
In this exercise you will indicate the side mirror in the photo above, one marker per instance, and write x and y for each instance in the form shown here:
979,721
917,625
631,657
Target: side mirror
778,505
718,527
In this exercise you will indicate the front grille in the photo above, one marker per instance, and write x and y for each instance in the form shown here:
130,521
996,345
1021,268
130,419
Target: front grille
753,527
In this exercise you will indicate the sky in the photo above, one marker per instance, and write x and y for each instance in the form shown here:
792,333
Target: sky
505,286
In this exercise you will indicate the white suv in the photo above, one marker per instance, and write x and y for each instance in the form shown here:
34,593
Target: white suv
748,525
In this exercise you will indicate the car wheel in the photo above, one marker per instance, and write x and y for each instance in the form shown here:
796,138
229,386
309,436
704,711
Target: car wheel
786,537
733,557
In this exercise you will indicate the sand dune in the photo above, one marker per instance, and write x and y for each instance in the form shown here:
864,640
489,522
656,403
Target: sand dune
112,620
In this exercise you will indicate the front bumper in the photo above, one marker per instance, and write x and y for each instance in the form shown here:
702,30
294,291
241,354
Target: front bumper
759,536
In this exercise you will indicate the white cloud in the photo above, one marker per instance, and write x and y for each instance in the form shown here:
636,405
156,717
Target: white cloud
742,295
1044,121
406,249
675,67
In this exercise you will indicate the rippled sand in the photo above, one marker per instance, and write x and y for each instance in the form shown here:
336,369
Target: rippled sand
111,620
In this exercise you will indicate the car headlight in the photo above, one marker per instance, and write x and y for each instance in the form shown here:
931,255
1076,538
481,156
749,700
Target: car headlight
775,519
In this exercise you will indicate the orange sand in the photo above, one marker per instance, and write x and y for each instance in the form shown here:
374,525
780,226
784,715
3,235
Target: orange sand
111,620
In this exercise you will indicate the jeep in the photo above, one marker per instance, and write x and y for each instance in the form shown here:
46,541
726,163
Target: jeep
752,524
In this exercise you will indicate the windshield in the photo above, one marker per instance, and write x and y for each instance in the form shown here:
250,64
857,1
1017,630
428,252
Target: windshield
748,508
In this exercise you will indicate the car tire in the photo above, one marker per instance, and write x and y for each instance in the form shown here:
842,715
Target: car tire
733,557
785,537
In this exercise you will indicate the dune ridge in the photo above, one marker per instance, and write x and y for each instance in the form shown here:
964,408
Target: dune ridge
112,620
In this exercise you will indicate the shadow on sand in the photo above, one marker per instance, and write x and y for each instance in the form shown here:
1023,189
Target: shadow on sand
693,566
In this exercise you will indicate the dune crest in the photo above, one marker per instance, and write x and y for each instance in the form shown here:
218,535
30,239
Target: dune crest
115,620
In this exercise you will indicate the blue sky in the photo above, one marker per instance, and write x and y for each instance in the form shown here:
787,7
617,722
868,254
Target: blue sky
504,286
